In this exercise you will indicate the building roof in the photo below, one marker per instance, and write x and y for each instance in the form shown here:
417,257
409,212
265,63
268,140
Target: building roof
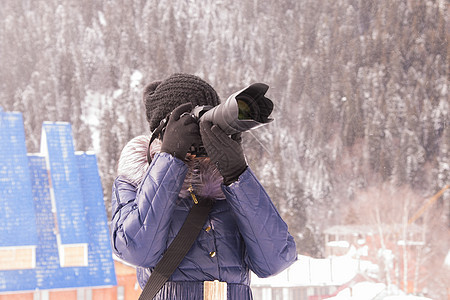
54,231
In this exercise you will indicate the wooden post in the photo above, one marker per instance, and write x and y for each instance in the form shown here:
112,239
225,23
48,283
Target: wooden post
214,290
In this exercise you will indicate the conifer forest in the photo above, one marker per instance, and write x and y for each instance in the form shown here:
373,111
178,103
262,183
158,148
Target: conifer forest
361,132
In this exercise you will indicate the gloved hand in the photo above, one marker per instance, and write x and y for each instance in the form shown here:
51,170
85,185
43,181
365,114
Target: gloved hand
181,132
225,152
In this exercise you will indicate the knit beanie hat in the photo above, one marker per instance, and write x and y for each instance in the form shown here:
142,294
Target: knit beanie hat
162,97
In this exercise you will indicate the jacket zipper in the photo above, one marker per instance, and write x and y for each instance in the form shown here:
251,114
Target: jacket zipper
191,191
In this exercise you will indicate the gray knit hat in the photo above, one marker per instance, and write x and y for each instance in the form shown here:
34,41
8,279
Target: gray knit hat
162,97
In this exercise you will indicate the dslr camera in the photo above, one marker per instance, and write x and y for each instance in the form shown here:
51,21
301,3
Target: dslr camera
242,111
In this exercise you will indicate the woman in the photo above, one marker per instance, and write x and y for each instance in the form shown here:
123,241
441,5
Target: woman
243,230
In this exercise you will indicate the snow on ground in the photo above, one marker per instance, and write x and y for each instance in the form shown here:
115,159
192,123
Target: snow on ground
368,291
308,271
406,297
360,291
332,271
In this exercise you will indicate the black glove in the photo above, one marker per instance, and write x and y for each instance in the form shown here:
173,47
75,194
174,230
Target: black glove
225,152
181,132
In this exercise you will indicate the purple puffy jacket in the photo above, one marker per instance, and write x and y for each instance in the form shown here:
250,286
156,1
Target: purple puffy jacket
243,232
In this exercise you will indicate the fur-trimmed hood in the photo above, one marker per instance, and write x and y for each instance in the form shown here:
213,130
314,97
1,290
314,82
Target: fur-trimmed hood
202,175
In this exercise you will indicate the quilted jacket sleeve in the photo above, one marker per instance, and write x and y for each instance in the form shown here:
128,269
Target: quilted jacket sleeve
141,215
270,247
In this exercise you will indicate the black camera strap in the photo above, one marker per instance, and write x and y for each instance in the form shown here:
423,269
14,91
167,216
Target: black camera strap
179,247
158,132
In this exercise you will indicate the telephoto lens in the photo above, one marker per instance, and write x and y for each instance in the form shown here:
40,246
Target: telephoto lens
243,110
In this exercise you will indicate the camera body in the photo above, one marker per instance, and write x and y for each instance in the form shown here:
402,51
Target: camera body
197,112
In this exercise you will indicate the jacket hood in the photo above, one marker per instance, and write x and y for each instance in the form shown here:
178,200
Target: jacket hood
202,175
